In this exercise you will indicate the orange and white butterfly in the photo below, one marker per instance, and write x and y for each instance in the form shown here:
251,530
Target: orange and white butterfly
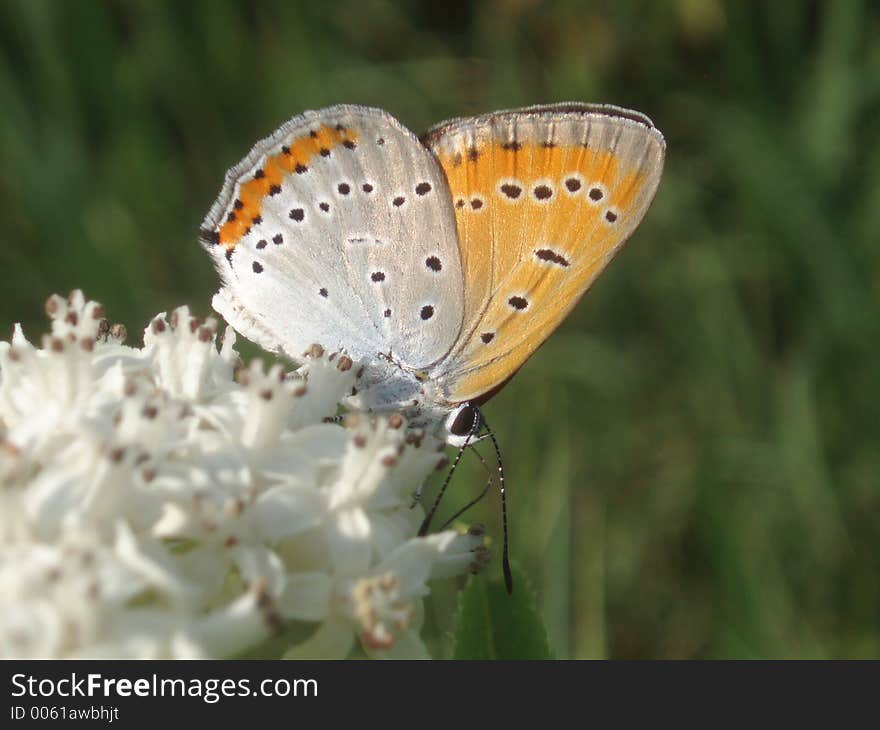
439,265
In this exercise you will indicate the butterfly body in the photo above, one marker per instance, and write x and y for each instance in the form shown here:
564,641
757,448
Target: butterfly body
438,265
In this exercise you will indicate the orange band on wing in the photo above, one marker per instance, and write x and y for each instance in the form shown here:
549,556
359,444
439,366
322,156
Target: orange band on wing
293,158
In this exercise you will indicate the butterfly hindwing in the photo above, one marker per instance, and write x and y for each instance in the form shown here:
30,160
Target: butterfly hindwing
543,199
337,229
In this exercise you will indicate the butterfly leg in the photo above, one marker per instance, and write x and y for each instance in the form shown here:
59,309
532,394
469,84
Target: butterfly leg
476,499
475,426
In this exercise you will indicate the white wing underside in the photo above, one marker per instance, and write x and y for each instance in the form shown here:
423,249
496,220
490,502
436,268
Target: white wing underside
371,267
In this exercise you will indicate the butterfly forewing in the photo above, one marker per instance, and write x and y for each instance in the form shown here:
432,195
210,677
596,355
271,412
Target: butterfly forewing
337,229
543,199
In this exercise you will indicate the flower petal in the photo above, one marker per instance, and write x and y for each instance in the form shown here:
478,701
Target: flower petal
306,596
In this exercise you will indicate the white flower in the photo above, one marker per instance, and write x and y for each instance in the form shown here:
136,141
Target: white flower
152,506
383,607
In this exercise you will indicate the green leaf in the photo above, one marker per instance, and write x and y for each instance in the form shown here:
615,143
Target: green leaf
493,625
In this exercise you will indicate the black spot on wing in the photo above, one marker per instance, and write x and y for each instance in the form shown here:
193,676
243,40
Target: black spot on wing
551,256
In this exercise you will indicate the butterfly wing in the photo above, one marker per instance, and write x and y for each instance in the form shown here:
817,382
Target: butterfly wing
543,199
337,230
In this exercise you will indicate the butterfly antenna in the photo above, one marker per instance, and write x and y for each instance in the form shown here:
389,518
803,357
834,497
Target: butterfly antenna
505,556
478,497
426,523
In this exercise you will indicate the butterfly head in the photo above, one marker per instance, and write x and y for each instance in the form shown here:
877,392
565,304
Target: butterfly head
462,425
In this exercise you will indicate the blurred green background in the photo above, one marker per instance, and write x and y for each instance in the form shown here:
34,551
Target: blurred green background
693,457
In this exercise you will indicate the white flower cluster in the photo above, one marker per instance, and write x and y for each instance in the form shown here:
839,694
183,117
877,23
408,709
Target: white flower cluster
151,505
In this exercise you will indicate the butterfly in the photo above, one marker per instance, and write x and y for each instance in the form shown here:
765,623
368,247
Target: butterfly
439,263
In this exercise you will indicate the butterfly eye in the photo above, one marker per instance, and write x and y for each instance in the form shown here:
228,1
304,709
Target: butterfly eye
463,421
